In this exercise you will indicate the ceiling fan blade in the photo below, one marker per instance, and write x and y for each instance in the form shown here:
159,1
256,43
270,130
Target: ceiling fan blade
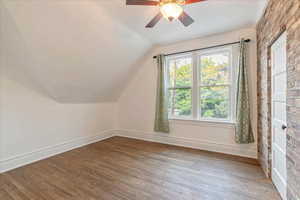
185,19
142,2
193,1
154,21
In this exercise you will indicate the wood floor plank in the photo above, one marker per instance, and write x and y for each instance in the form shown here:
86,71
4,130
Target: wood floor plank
127,169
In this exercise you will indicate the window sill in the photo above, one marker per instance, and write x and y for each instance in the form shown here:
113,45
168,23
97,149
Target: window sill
210,123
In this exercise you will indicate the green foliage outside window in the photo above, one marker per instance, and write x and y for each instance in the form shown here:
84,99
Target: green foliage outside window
214,75
180,82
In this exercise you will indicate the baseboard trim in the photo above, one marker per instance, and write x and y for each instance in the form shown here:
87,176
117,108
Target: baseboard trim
40,154
187,142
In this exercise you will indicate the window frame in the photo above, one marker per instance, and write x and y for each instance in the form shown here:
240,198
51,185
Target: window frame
168,60
196,83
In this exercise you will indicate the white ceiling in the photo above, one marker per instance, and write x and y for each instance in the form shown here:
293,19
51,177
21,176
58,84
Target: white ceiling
84,50
211,17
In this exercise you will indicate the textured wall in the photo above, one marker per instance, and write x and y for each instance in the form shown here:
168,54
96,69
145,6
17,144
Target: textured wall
280,14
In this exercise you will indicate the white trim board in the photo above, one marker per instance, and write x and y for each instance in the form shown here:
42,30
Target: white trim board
188,142
40,154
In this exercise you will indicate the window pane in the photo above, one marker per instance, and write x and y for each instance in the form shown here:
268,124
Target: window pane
214,102
180,102
180,72
215,69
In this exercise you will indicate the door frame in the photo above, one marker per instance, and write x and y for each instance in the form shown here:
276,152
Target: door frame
270,89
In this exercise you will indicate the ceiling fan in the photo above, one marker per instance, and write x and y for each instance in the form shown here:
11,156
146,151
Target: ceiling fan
169,9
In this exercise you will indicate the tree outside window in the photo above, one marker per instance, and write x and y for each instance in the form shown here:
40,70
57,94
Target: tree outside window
211,88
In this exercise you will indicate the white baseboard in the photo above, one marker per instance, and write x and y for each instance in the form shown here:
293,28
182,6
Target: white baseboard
40,154
237,150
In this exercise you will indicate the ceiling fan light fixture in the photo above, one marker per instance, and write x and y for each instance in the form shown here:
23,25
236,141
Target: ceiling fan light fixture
171,11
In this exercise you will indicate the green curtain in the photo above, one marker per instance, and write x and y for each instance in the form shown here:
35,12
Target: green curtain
161,114
244,132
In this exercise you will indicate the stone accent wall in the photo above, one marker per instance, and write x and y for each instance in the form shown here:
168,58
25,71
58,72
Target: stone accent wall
280,15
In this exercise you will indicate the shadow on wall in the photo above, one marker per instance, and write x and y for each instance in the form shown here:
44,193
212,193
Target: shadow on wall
16,58
84,58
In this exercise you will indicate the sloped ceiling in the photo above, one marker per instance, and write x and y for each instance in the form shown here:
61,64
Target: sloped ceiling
84,50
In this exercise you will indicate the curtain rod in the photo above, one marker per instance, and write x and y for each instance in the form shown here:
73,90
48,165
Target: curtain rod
171,54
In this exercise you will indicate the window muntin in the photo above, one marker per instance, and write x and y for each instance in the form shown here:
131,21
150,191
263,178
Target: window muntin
214,85
180,81
201,85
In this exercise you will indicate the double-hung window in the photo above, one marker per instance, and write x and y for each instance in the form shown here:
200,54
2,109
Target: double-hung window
202,85
180,86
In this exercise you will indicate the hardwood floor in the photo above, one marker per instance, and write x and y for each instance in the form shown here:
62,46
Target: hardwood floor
121,168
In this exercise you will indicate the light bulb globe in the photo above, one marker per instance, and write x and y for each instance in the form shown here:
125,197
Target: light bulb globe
171,11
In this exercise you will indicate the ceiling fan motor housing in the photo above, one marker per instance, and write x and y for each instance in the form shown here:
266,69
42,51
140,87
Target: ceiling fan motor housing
170,18
163,2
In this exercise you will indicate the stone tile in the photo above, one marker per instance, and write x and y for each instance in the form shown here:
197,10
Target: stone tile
280,13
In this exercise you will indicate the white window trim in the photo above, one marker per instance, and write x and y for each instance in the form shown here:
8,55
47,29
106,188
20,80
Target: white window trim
168,59
195,56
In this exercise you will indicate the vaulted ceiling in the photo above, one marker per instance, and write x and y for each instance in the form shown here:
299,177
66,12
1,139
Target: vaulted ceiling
84,50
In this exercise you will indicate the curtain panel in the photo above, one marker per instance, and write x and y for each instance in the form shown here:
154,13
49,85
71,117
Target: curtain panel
244,132
161,115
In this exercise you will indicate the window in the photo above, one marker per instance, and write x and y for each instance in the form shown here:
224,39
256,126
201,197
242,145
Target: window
180,87
201,85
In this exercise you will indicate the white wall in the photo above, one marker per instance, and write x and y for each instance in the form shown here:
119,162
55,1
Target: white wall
32,124
136,105
31,121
